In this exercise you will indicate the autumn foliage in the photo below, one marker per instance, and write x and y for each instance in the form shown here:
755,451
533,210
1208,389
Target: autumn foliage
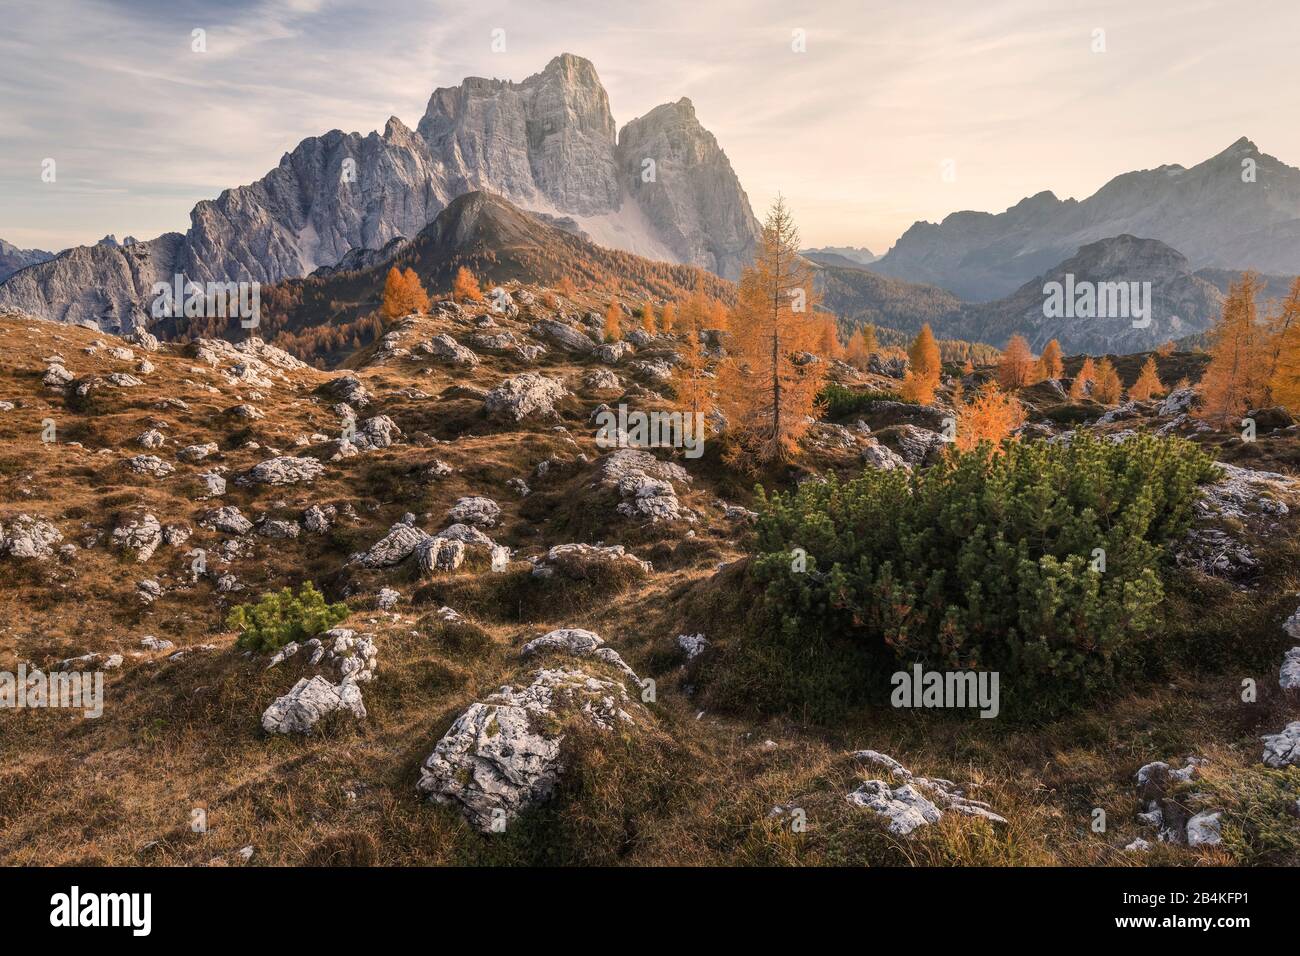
403,294
991,416
1050,364
768,395
862,343
923,373
1086,376
1017,368
1108,389
1236,379
464,287
613,322
1148,384
1284,382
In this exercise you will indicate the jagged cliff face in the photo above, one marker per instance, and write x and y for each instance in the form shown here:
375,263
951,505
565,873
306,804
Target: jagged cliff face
547,143
694,199
12,258
1208,212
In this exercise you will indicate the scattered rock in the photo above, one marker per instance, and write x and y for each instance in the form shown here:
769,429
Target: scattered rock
284,471
27,537
478,511
523,396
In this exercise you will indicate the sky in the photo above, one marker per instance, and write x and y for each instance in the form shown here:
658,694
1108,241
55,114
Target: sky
887,113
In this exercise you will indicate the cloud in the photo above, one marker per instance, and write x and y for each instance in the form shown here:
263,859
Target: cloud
852,131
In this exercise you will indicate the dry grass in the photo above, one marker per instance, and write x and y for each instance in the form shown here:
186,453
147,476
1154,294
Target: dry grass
695,786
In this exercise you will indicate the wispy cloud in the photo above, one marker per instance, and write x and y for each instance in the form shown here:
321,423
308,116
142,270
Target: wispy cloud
852,131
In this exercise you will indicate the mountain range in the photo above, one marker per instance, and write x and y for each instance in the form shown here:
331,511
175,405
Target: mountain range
12,258
662,188
1237,210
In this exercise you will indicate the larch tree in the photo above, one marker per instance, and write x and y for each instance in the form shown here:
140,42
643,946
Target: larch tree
719,316
828,339
922,376
1284,380
648,317
667,318
613,322
1148,383
768,395
691,380
1016,370
991,416
1086,376
1236,378
1053,366
403,294
862,344
464,288
1108,389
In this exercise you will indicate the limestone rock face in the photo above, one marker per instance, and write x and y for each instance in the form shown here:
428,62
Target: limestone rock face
694,200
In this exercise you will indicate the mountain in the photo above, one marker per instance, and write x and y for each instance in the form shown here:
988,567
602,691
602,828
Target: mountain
860,297
841,255
547,143
12,258
1210,212
1181,302
487,234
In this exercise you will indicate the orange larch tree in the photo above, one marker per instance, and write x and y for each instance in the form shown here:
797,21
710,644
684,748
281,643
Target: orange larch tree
862,343
613,322
691,381
991,416
464,288
1108,389
1148,384
1284,381
403,294
769,396
1016,369
828,339
1052,366
1236,378
1087,375
648,317
922,376
667,318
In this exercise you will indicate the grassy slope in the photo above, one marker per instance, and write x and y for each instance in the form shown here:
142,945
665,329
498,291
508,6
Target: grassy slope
185,734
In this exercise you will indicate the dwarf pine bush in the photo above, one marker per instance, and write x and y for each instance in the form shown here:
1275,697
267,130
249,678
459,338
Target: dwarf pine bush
1042,561
840,401
279,618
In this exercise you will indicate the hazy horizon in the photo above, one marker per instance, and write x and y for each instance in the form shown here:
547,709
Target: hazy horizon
855,132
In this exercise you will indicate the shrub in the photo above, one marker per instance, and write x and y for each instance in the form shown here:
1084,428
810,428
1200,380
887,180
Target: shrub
278,619
987,562
841,401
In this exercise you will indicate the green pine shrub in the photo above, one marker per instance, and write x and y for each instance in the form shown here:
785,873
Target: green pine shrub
840,401
986,561
280,618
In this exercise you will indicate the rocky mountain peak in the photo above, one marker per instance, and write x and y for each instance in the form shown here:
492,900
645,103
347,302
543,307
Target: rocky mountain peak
546,143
